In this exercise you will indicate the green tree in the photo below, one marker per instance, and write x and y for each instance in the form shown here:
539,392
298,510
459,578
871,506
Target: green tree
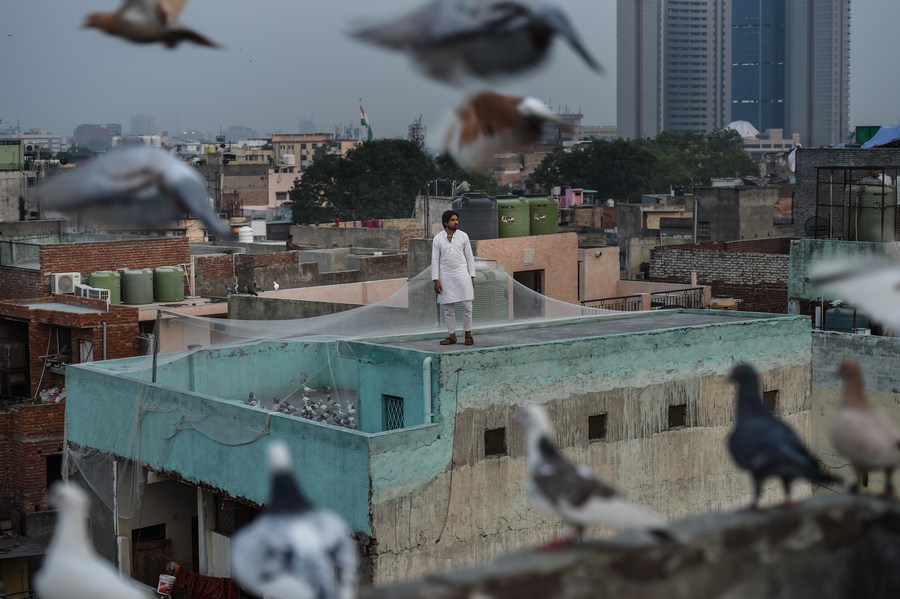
628,169
377,179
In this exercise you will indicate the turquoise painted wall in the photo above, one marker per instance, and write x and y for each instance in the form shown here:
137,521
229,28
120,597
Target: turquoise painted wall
805,252
219,443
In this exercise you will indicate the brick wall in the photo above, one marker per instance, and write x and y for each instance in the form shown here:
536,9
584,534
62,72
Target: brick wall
111,255
28,432
18,283
757,278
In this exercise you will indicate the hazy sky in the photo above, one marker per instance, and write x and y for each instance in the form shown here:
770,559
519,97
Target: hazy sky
288,60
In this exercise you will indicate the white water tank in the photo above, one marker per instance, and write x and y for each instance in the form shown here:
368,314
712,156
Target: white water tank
245,235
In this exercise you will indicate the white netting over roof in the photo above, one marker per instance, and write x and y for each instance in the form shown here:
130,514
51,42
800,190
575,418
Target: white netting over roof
323,388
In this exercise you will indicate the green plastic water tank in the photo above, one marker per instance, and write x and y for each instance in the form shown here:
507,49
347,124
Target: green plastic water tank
108,279
542,218
137,286
513,214
168,284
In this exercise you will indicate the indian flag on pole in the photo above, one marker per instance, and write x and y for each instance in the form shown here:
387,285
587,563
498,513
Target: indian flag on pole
364,121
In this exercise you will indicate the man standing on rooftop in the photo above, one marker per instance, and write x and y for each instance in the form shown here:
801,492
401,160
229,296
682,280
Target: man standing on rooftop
453,274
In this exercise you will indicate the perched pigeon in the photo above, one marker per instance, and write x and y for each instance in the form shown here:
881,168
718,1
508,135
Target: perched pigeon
294,549
136,186
275,285
147,22
72,569
256,287
455,39
862,433
489,123
249,290
872,285
764,445
572,492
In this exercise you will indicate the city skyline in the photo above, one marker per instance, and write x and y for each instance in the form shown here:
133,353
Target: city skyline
288,64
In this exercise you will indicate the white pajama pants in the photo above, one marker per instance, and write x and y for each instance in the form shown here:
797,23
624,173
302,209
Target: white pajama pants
450,316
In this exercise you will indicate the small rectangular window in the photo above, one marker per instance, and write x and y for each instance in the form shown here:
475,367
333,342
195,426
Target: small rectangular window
596,427
677,415
392,412
770,400
495,442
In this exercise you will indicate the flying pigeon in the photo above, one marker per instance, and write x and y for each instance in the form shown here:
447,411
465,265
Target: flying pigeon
147,22
764,445
454,39
489,123
72,569
862,433
139,186
294,549
872,285
572,492
275,285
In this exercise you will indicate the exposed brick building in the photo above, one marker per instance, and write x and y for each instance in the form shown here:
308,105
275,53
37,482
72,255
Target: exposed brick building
754,271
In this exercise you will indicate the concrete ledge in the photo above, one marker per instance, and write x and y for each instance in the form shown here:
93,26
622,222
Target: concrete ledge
833,545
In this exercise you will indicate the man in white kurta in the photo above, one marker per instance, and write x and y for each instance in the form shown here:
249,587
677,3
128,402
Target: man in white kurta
453,273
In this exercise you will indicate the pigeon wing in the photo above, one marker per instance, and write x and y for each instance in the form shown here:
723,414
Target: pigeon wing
560,481
169,10
559,22
401,33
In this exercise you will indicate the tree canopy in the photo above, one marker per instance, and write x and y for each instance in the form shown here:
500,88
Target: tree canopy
377,179
628,169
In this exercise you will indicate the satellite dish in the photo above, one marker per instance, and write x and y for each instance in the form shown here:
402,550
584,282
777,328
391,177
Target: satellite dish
815,226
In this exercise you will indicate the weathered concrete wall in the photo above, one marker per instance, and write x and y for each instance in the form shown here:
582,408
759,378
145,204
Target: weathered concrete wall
878,357
328,237
556,255
32,228
834,546
473,508
599,275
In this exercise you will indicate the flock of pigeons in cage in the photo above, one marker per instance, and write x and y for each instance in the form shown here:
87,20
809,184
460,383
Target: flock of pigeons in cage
313,404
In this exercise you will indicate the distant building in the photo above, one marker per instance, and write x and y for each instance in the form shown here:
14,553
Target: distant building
97,137
695,66
238,133
38,143
142,124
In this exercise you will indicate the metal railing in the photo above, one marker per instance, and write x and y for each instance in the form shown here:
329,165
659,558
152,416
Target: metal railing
623,303
684,298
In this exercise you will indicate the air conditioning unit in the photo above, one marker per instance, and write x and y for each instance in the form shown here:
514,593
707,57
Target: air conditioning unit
64,282
92,292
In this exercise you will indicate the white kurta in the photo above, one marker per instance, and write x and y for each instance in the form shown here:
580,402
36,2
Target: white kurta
453,263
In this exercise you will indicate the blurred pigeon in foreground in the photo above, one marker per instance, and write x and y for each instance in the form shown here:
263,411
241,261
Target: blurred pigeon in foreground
764,445
572,492
72,569
294,550
488,124
451,39
872,285
147,22
138,186
862,433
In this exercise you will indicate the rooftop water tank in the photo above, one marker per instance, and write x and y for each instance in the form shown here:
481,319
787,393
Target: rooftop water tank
245,234
477,215
513,217
108,279
846,320
168,284
137,286
870,212
543,216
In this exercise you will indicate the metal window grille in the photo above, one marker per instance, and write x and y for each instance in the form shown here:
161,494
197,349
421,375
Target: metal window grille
392,415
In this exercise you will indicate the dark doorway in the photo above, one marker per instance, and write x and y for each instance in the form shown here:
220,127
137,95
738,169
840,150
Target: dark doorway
526,304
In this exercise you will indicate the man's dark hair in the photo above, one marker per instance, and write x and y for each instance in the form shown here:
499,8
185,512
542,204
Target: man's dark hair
447,215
